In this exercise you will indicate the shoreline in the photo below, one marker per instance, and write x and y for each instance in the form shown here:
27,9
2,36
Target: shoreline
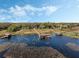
27,32
41,31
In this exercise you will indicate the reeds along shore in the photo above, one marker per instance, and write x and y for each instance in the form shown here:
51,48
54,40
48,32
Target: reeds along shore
21,50
67,29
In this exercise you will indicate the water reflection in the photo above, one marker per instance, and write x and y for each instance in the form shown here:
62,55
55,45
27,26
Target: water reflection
61,43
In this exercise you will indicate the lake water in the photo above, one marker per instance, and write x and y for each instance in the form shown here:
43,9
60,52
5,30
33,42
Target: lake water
58,42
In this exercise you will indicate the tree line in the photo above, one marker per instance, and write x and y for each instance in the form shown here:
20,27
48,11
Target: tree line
19,26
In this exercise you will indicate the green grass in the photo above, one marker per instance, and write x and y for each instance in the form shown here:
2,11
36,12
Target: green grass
72,34
41,31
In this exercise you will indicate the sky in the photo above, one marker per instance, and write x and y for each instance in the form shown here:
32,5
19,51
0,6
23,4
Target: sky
39,11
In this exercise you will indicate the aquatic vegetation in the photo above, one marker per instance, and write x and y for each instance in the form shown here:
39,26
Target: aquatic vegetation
3,47
21,51
42,28
73,46
72,34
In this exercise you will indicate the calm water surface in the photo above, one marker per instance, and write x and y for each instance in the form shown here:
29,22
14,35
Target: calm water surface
57,42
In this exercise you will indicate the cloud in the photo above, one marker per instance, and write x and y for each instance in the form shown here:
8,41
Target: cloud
3,18
29,11
17,11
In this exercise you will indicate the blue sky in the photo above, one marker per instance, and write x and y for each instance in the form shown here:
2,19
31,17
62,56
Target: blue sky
39,10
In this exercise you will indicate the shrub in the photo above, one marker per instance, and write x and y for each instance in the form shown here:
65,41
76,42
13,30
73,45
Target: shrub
4,26
14,27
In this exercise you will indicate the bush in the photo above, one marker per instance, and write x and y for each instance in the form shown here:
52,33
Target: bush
4,26
14,27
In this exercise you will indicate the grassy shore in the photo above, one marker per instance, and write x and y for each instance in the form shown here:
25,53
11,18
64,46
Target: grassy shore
28,31
31,31
73,34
